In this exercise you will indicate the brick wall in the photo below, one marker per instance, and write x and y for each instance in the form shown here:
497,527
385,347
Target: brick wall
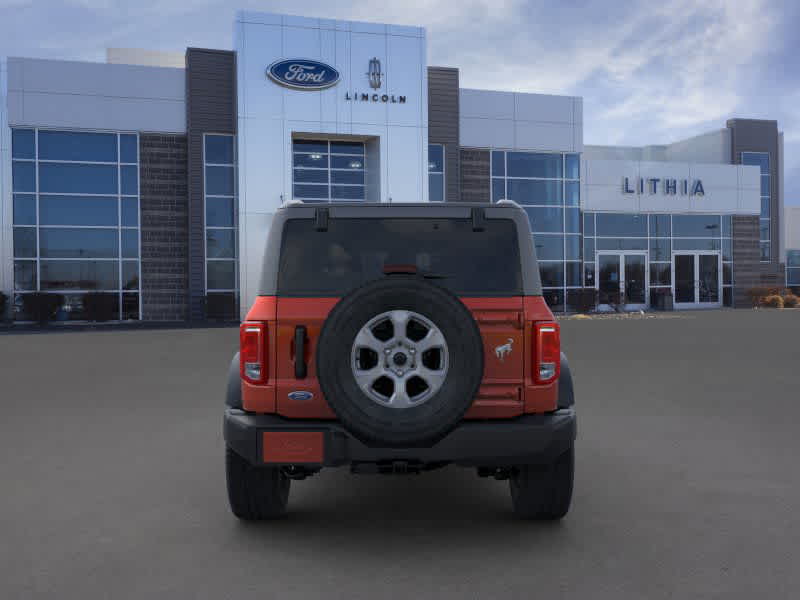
475,185
165,227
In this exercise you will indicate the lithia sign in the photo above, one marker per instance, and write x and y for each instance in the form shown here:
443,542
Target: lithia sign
669,187
306,74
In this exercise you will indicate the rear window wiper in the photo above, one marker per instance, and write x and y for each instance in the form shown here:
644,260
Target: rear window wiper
406,269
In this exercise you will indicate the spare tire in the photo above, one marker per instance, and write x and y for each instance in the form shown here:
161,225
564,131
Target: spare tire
399,361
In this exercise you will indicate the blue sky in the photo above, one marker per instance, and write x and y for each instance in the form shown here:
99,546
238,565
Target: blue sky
649,72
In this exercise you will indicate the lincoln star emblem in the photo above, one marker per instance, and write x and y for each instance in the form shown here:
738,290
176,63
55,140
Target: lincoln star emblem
502,351
374,74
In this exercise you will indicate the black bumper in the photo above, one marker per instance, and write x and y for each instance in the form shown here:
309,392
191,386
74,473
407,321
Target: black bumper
528,439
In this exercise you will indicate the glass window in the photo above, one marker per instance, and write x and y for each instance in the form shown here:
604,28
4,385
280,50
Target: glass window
573,166
129,176
78,146
498,164
588,224
727,296
727,249
130,243
23,176
695,244
551,273
759,159
623,225
765,207
588,249
696,225
528,191
572,220
572,247
25,242
221,275
24,209
765,185
573,274
554,299
530,164
436,187
727,273
588,274
660,249
621,243
763,229
793,276
356,148
660,226
435,158
77,179
130,275
357,177
765,250
219,149
311,175
79,275
549,247
347,162
347,192
572,193
219,181
302,191
546,219
312,146
23,143
660,274
311,161
219,212
727,225
25,275
220,243
128,148
498,189
130,212
77,210
56,242
130,306
793,258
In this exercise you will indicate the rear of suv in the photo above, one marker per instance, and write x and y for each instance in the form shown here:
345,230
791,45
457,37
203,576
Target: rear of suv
399,339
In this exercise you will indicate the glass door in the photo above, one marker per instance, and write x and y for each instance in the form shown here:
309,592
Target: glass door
622,280
697,279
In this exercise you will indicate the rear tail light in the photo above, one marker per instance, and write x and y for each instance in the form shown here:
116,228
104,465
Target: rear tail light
547,352
252,354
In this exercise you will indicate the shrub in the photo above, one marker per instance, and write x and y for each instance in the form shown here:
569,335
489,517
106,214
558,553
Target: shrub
790,300
41,306
773,301
3,306
100,306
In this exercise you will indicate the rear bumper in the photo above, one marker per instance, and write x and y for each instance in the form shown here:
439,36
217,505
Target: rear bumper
528,439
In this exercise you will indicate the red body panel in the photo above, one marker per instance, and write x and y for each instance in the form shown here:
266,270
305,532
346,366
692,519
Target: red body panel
507,389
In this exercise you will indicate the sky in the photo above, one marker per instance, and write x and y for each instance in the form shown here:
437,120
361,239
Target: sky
649,72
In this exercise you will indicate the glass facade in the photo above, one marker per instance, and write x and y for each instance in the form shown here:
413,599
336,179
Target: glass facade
221,224
793,268
325,171
660,235
547,186
761,160
436,173
76,219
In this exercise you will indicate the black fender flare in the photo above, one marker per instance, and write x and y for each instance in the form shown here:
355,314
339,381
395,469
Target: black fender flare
566,392
233,391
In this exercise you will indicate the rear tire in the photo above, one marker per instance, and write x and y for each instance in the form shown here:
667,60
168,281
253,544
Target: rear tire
255,493
543,492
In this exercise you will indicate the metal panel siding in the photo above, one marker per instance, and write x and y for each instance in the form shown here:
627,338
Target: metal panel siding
443,124
210,108
475,184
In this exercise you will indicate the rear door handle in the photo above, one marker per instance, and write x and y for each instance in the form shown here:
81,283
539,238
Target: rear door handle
300,368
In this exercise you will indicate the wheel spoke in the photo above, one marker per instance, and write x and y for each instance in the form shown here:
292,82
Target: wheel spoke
400,397
399,320
366,378
434,378
433,339
366,339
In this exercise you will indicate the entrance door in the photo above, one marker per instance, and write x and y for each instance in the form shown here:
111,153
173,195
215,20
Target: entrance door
697,279
622,280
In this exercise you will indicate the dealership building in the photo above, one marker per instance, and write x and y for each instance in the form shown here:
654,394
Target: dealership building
154,176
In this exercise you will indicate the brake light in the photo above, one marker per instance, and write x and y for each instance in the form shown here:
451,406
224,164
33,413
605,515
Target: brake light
547,354
252,354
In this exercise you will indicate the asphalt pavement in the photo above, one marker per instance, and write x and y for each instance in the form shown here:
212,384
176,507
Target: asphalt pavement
687,478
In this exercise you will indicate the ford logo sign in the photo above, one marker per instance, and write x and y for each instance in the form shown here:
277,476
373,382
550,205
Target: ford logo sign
303,74
301,395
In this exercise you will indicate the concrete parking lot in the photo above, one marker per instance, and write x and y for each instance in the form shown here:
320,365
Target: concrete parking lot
687,482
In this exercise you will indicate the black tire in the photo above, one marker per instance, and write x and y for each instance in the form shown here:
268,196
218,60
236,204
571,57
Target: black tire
255,493
543,492
378,425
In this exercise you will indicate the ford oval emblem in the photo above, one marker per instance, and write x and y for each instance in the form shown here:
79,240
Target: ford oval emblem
303,74
301,395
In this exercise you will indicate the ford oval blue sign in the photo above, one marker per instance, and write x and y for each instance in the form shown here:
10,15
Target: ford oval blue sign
303,74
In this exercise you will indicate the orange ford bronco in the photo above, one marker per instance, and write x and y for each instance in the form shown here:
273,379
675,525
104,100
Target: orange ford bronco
399,338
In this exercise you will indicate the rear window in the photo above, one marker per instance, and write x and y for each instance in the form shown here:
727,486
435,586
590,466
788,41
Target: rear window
354,251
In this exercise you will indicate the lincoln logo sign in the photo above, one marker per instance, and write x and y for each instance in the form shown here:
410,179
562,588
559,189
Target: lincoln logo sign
302,74
670,187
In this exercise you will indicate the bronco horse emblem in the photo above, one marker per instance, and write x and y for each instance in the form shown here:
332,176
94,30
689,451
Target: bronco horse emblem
502,351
